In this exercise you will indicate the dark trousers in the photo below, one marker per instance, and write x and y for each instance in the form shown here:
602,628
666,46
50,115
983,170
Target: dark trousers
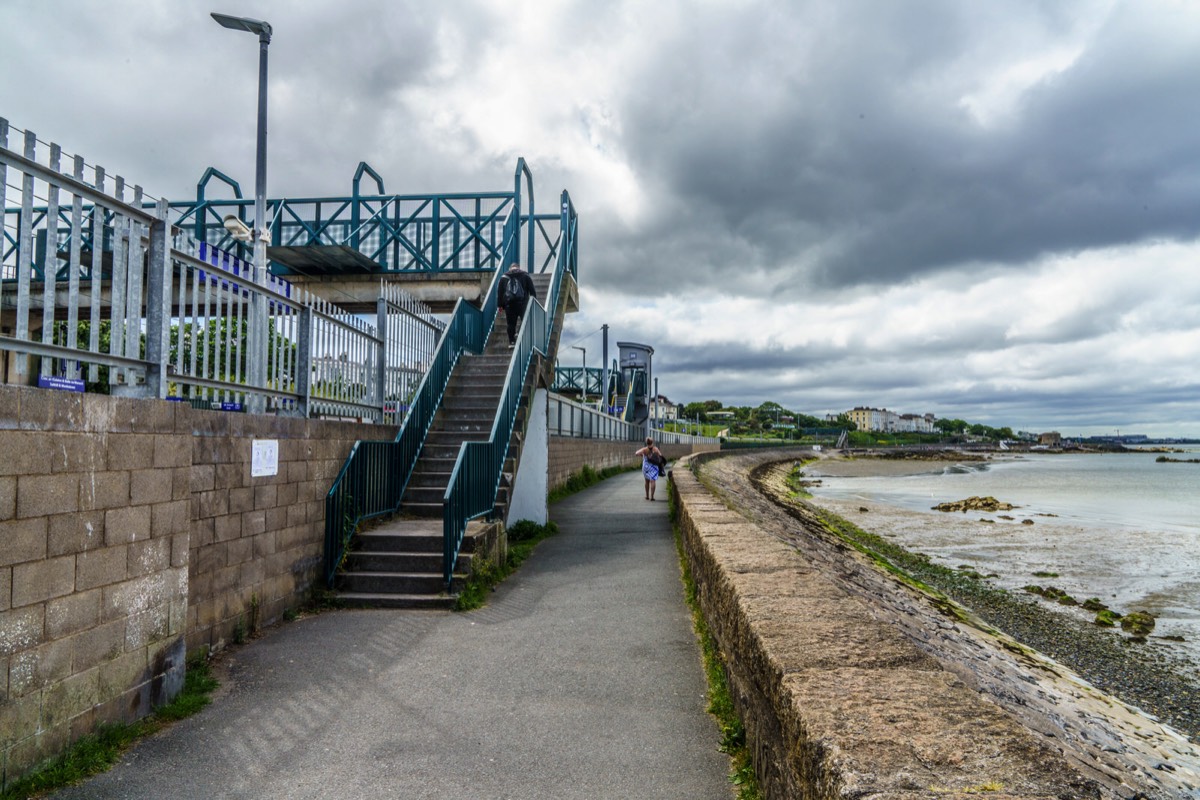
514,312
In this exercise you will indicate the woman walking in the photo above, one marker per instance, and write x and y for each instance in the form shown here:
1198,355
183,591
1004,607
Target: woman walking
652,463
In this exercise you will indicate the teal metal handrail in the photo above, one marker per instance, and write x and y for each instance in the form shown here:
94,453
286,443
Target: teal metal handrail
373,479
479,467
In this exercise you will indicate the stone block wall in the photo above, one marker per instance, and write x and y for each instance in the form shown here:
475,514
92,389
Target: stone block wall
257,543
835,701
94,526
568,455
132,532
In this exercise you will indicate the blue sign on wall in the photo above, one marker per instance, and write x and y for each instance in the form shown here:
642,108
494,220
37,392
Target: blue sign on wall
55,382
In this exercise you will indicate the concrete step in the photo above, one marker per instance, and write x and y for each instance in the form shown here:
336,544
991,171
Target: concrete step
451,439
388,542
393,562
434,453
452,421
470,402
391,582
422,509
483,367
411,601
425,475
425,495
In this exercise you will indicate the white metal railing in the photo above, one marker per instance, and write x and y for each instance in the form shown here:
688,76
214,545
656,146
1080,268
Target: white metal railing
566,417
105,295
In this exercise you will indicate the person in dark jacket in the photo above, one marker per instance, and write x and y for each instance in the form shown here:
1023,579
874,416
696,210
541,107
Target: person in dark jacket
513,295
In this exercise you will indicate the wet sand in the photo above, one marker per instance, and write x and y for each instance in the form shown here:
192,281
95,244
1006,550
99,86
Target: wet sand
1014,552
1010,553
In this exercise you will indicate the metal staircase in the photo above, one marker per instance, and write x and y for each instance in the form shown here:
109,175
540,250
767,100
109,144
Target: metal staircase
457,453
401,564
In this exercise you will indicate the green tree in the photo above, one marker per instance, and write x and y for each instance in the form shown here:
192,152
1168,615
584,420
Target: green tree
218,339
954,426
83,335
844,421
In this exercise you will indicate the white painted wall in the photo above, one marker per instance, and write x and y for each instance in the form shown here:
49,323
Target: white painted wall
530,488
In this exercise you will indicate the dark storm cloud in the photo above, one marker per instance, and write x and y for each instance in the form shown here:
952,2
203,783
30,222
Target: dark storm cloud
844,153
984,210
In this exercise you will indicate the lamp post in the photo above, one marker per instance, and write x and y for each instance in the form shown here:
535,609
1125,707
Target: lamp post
583,383
257,350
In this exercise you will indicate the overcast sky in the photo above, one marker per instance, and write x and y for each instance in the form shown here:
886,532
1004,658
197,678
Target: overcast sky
986,210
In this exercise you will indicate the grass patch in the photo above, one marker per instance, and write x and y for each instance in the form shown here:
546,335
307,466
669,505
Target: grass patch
523,536
585,477
720,701
915,569
98,751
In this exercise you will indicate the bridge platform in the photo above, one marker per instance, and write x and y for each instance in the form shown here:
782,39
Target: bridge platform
581,678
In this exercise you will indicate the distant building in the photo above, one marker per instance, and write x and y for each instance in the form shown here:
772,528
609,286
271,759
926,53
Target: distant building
663,410
1051,439
880,419
917,423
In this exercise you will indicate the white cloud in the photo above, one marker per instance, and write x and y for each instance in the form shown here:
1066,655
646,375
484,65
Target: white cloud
985,210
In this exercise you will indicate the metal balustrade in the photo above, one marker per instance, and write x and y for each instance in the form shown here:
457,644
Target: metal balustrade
375,475
479,468
108,296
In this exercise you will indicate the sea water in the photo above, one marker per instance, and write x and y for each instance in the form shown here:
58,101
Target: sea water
1114,490
1122,527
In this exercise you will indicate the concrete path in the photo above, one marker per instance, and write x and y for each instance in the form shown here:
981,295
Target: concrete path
580,679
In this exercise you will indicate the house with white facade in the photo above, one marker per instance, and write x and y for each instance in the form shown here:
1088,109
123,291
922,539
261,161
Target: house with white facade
882,420
663,410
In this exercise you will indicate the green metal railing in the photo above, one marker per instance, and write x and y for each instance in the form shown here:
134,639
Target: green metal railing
479,468
376,473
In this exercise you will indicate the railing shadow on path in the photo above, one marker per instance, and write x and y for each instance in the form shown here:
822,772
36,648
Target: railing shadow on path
580,679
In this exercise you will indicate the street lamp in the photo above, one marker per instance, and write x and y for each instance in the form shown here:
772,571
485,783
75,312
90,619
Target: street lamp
584,382
257,366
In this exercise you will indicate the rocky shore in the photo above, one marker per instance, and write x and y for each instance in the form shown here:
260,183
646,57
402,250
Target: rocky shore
1150,675
1091,689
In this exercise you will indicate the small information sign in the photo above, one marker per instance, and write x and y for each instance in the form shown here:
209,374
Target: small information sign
264,458
55,382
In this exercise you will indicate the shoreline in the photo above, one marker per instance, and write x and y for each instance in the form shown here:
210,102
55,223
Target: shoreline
1125,747
1158,676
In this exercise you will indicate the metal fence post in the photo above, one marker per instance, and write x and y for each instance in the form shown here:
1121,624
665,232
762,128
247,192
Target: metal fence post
304,358
381,314
20,361
158,314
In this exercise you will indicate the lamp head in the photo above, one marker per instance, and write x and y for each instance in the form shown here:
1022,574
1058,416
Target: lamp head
263,29
237,229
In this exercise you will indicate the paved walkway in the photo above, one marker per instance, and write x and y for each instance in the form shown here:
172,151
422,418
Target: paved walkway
580,679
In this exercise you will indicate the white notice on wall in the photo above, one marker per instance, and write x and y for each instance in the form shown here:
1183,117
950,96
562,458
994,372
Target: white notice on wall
264,458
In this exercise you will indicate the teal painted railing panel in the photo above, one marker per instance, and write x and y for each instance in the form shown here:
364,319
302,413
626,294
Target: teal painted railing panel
373,479
478,469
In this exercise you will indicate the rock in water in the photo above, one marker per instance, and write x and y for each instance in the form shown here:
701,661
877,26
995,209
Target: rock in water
975,504
1138,623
